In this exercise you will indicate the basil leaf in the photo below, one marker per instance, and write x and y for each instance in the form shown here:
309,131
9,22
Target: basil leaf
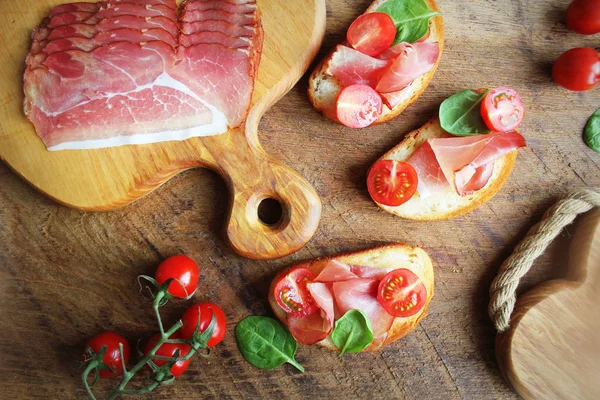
591,134
353,332
266,343
460,114
411,18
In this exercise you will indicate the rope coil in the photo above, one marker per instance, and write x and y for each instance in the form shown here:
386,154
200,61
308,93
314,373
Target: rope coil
504,287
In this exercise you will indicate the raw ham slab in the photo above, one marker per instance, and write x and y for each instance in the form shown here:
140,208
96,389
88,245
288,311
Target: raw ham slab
122,72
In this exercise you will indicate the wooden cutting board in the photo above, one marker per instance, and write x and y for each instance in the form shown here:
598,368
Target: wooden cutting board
105,179
552,349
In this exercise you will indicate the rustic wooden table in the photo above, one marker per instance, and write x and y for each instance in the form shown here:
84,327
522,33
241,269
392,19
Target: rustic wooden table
67,275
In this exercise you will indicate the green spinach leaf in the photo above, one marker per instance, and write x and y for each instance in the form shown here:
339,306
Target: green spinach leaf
266,343
460,114
411,18
353,332
592,132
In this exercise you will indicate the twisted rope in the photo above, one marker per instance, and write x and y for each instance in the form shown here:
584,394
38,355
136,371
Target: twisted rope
504,287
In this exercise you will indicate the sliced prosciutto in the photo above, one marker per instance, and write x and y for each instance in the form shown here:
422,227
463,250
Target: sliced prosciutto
121,72
317,326
336,271
361,294
351,67
465,163
410,62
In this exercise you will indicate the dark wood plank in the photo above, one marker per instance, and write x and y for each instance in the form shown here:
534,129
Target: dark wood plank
66,275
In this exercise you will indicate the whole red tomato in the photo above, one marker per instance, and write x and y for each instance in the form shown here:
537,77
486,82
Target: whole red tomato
577,69
583,16
168,350
204,312
184,270
112,356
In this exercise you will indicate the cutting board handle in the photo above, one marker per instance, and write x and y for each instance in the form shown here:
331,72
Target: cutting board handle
254,176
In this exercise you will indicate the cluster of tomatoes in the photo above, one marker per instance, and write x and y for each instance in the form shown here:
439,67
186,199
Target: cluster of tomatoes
184,273
579,69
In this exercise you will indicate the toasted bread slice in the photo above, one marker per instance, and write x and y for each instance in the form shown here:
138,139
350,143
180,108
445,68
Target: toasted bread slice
324,89
447,204
396,256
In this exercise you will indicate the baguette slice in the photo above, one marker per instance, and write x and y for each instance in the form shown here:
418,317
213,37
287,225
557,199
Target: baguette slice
397,256
447,204
324,89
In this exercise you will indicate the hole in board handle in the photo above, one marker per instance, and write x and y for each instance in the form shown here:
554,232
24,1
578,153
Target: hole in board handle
270,211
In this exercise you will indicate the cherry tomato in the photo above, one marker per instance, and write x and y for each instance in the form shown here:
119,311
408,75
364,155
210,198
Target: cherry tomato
358,106
583,16
112,356
402,293
168,350
292,295
392,183
502,110
372,33
181,268
204,312
577,69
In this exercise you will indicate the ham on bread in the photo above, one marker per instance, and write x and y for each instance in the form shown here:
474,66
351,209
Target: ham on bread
403,84
122,72
456,174
350,281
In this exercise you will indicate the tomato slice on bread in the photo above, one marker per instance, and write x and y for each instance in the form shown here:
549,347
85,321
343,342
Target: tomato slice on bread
502,110
401,293
372,33
392,183
358,106
292,295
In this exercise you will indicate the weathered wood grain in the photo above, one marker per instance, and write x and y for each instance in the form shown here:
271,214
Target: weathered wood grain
552,350
65,275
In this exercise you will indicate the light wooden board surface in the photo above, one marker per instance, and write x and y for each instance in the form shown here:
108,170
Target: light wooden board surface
65,275
552,349
105,179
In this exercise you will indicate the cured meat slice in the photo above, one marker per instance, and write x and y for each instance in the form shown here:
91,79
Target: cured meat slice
74,7
73,30
431,177
169,3
335,271
465,162
215,37
361,294
118,35
366,272
110,10
101,79
135,22
230,7
220,15
351,67
410,62
317,326
230,86
216,26
70,18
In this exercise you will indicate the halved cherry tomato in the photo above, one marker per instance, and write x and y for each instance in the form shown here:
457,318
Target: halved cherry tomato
112,356
502,110
392,183
184,270
168,350
583,16
577,69
372,33
358,106
292,295
402,293
204,312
